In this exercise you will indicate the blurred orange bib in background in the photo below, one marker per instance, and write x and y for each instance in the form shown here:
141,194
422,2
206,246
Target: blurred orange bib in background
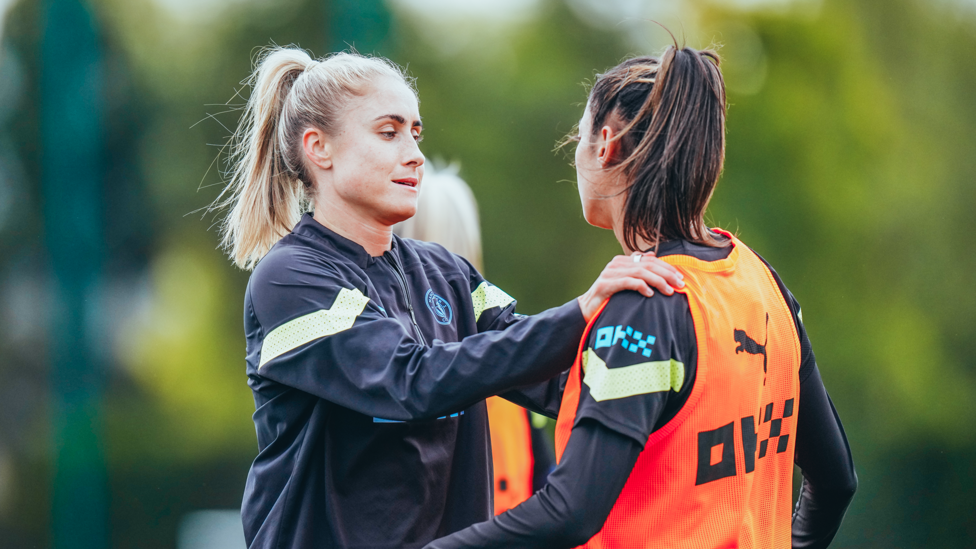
511,453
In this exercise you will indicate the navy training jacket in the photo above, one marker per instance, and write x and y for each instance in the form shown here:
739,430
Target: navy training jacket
370,416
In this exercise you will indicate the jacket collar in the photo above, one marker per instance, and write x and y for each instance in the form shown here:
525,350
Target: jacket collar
683,247
310,228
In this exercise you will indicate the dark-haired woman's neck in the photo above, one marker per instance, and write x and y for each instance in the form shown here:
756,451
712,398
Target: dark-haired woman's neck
642,245
708,238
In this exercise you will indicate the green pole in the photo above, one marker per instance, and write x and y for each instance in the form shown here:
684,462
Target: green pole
71,128
360,24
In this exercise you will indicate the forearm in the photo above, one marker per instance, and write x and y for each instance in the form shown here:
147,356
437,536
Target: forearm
375,371
572,507
818,516
824,456
542,398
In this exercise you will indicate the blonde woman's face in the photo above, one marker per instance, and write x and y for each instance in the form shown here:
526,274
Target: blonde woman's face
377,165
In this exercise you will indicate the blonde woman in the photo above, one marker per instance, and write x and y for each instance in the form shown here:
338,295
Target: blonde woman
370,356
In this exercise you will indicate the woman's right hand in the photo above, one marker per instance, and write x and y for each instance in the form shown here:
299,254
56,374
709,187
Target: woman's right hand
638,272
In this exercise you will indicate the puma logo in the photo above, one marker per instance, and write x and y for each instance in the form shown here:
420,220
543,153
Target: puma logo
750,346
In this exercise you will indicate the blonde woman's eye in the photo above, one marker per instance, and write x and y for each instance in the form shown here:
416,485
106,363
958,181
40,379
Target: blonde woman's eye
388,135
418,138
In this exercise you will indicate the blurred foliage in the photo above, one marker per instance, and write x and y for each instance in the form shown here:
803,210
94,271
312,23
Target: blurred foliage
850,167
832,155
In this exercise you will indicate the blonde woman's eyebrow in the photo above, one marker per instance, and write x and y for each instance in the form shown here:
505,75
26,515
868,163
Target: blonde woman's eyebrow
399,119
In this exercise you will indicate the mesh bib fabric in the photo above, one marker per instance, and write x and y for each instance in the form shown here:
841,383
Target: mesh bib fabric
720,473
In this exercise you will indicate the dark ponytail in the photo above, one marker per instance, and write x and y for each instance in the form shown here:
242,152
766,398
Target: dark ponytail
671,117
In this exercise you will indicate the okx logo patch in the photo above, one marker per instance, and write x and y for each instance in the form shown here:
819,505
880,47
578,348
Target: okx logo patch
629,339
439,307
716,449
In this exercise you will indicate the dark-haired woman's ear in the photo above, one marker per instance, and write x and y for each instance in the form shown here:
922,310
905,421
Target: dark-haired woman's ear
608,146
318,150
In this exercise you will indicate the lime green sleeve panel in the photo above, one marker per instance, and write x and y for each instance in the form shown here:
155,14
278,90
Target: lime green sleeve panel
639,379
487,296
348,305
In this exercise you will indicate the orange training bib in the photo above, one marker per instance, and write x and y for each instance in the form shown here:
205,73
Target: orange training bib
720,473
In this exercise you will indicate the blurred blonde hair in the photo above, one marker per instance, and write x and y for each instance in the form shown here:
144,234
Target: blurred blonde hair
268,181
447,213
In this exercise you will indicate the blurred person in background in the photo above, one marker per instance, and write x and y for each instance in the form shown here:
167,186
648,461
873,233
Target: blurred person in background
369,357
684,415
447,214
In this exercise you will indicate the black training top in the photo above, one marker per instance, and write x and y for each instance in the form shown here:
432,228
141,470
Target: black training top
371,425
609,435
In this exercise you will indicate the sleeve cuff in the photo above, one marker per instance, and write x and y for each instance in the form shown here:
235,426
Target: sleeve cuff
572,312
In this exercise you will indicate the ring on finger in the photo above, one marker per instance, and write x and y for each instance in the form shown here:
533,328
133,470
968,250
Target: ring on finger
637,257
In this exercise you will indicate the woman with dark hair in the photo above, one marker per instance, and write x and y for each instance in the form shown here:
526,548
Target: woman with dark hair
683,415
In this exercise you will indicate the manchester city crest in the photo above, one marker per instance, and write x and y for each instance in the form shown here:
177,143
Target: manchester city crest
439,307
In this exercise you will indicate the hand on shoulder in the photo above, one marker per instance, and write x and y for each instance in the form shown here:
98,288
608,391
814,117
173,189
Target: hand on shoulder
637,272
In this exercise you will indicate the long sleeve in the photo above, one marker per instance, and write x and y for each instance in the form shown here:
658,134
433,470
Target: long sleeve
573,505
542,398
824,457
822,452
315,330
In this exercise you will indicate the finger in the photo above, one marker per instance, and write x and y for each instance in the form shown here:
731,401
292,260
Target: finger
655,280
661,268
657,273
651,260
674,278
621,260
618,265
607,288
622,266
622,284
636,285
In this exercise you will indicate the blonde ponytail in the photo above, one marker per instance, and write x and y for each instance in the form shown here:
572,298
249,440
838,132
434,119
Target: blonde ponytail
266,191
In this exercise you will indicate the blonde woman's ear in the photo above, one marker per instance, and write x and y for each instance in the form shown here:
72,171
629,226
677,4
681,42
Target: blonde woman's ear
318,148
